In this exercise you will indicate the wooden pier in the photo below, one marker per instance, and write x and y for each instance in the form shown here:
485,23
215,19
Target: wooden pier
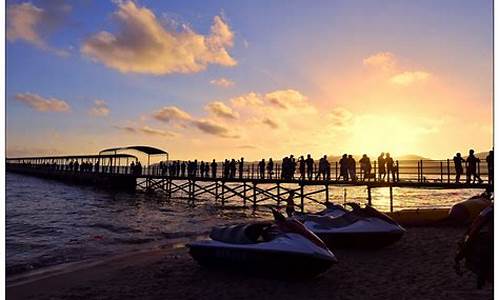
112,170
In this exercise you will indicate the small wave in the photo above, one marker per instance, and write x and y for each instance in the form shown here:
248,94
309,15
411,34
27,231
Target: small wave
113,228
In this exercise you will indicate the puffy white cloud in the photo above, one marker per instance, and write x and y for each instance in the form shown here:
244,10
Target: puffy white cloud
223,82
384,60
143,45
100,109
171,113
31,24
407,78
286,98
42,104
220,109
250,99
213,128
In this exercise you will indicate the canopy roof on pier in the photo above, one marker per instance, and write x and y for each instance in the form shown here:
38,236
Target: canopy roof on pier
145,149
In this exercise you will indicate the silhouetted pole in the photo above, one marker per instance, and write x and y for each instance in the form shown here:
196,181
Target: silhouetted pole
448,169
397,170
336,170
441,168
390,197
302,198
369,196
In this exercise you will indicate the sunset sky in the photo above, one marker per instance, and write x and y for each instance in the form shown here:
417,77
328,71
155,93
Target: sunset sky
217,79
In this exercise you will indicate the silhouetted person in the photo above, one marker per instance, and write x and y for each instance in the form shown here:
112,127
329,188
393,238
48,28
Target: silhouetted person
214,169
302,168
310,166
381,167
262,168
132,168
327,168
321,169
240,168
183,169
391,170
351,167
471,168
366,167
344,168
290,205
232,168
491,166
459,170
270,168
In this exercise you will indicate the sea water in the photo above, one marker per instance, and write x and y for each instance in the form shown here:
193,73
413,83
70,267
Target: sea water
49,222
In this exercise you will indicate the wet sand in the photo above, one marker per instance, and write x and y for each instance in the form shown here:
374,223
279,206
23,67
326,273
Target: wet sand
420,266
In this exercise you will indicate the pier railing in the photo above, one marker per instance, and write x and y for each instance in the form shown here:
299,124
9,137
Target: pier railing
418,171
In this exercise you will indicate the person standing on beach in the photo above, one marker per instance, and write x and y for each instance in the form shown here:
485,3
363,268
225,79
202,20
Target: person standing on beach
290,205
310,166
491,166
381,167
459,170
471,167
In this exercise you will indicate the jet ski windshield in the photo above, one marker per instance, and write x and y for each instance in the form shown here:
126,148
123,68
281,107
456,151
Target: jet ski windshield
241,233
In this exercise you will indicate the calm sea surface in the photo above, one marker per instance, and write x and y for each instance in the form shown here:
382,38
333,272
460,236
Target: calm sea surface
50,223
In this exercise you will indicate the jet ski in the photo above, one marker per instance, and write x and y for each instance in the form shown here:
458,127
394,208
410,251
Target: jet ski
477,248
283,247
362,228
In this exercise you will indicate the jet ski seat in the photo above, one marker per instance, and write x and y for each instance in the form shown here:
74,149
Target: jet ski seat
240,233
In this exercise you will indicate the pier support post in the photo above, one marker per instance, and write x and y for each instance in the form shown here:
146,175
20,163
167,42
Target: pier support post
216,191
448,169
223,197
369,196
327,193
278,194
244,194
302,198
254,196
391,199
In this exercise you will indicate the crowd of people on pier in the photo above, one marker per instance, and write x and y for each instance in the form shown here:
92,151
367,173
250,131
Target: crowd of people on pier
346,169
472,166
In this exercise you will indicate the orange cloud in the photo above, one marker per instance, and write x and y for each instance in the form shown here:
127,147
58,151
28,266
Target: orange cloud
171,113
42,104
286,98
221,110
213,128
143,45
407,78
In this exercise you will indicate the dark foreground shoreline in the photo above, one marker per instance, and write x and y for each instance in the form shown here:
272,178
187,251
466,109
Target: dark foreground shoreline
420,266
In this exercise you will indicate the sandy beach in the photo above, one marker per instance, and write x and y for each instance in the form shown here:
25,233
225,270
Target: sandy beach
420,266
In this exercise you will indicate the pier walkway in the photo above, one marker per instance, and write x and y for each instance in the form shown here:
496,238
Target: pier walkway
112,168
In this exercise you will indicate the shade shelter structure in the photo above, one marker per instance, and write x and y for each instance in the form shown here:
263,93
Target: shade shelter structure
147,150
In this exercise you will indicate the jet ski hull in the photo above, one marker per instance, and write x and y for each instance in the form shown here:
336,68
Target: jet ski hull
261,262
362,240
